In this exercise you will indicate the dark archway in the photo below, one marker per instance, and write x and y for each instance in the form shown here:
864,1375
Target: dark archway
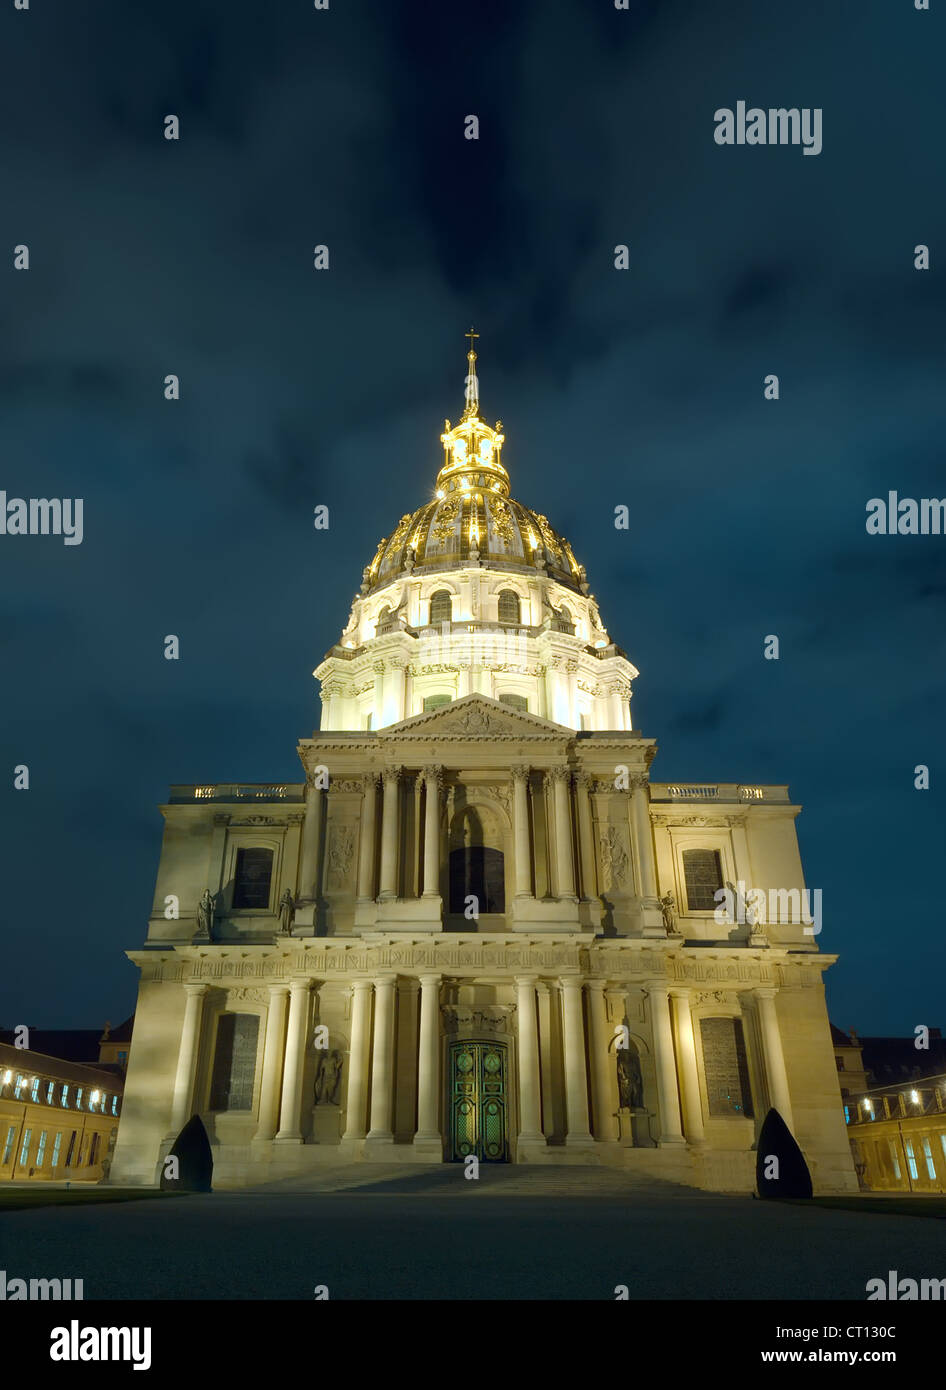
476,870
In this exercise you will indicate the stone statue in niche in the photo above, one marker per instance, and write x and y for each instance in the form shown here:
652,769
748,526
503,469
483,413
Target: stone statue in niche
205,914
287,911
328,1075
630,1081
668,907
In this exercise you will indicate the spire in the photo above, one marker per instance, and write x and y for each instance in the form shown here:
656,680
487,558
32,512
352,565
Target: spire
472,384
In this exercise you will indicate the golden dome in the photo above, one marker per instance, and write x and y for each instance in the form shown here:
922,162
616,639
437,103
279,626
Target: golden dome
473,519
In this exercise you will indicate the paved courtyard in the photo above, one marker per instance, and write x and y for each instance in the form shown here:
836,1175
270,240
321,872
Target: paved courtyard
380,1232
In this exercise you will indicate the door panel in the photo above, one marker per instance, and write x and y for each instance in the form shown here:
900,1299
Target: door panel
478,1111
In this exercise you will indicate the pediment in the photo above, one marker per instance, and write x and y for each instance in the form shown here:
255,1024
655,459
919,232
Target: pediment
476,716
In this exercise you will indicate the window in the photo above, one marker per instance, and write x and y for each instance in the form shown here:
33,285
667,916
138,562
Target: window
894,1158
234,1062
479,872
79,1098
441,607
20,1083
114,1105
34,1089
254,871
8,1144
911,1158
436,701
94,1150
703,876
509,608
41,1151
122,1058
71,1150
64,1097
566,622
514,701
725,1067
54,1161
928,1155
25,1150
50,1088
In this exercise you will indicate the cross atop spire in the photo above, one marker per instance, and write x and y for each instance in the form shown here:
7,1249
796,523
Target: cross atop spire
472,384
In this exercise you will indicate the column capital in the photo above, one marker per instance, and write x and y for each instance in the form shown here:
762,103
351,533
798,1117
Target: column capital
300,986
584,779
520,773
433,775
562,773
656,987
525,981
276,989
679,991
361,985
570,981
197,987
384,981
371,778
599,986
430,980
764,992
391,774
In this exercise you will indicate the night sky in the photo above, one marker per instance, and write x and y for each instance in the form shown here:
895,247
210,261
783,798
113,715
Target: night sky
642,387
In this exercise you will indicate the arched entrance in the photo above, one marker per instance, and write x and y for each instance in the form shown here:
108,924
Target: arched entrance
478,1111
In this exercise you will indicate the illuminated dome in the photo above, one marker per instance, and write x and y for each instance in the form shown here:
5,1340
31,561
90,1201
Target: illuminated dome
474,593
472,518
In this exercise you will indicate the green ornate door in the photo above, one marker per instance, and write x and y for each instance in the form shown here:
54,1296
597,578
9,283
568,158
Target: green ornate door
478,1116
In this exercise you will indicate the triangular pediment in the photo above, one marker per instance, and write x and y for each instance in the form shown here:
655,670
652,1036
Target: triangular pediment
476,716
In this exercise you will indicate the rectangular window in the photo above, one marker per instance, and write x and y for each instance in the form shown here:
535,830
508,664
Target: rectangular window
78,1097
50,1090
114,1105
254,870
432,702
34,1089
911,1158
54,1161
25,1150
41,1151
94,1150
20,1083
234,1062
64,1097
122,1058
10,1140
71,1150
703,876
514,701
725,1067
928,1155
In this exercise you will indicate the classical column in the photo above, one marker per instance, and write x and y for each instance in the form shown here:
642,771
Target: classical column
520,822
667,1095
774,1056
530,1132
290,1131
602,1065
589,886
563,835
546,1065
428,1067
432,780
187,1056
576,1090
645,840
689,1076
382,1062
389,828
273,1048
311,841
366,845
357,1102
